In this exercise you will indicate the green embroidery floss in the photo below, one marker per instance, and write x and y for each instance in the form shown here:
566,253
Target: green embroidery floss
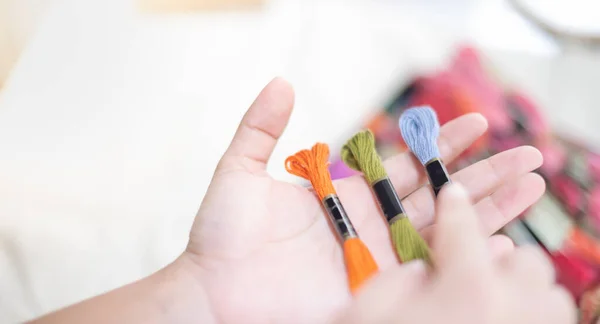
359,153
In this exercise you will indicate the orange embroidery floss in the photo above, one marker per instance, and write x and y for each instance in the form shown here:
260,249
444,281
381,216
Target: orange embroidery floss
312,165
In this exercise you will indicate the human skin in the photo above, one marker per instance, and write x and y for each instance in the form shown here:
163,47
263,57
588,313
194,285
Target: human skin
261,250
468,285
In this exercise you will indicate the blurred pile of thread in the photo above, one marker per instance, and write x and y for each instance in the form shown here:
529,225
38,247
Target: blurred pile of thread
566,221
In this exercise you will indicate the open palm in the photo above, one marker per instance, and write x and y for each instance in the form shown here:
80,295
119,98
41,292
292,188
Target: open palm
264,248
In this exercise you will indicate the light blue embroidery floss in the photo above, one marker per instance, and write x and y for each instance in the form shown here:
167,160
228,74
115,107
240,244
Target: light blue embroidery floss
420,130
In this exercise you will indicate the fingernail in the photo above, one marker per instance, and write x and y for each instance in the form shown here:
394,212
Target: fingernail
456,190
415,266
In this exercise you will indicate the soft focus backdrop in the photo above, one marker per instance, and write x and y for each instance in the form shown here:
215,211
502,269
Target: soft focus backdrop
114,113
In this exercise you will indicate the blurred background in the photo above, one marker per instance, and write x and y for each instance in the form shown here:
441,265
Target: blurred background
114,113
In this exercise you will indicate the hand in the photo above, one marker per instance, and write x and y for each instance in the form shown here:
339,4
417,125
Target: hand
468,286
263,249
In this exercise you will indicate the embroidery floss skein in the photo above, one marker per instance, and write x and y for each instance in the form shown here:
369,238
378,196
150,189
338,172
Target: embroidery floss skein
590,306
550,221
571,271
360,154
312,165
420,129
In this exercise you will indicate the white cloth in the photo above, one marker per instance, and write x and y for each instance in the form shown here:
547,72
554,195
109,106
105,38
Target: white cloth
112,124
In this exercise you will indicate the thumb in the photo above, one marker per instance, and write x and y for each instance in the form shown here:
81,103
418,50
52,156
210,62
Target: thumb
459,241
260,128
380,299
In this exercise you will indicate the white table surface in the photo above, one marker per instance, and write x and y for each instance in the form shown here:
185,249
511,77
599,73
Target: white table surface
112,123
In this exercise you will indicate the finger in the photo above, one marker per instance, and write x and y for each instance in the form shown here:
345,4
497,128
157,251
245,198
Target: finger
508,202
500,245
380,299
479,179
549,306
260,128
407,173
458,241
530,265
562,304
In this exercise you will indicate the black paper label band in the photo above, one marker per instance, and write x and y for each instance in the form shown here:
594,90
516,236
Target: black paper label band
339,217
438,175
388,199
